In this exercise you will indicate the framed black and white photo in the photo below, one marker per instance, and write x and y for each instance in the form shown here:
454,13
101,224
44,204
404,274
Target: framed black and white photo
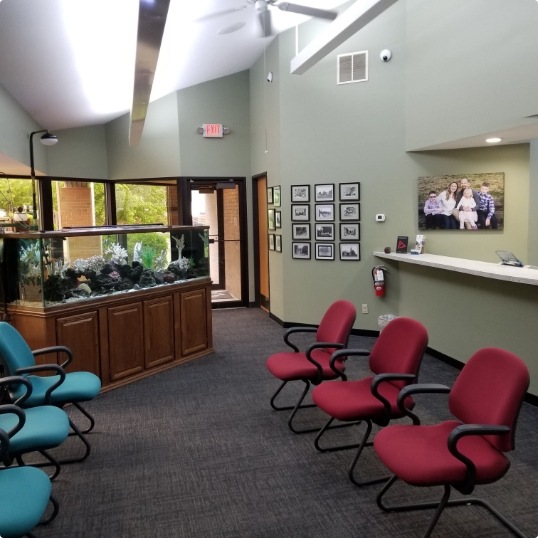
350,192
350,212
278,243
324,251
324,231
300,232
269,195
300,212
271,219
324,192
276,196
300,194
350,251
350,231
324,212
278,219
300,251
271,241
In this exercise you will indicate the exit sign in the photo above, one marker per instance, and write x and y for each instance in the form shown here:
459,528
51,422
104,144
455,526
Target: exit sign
213,130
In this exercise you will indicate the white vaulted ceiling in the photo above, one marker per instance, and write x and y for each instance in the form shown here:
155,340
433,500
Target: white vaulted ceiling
70,63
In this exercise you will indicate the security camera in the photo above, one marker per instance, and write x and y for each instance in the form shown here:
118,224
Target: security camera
385,55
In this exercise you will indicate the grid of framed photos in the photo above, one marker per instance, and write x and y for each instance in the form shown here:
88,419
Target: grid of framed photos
336,213
274,218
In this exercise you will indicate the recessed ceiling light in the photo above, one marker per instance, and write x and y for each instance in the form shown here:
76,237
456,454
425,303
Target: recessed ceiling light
231,28
493,140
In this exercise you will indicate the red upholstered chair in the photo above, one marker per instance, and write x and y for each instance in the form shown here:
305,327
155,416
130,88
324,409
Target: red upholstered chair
394,362
466,450
312,366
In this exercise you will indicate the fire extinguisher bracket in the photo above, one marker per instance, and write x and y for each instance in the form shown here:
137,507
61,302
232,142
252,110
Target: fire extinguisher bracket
378,276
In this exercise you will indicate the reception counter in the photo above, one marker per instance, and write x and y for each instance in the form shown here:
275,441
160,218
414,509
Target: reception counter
467,304
522,275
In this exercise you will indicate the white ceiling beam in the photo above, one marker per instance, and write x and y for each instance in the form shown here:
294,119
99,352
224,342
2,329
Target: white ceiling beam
357,16
151,22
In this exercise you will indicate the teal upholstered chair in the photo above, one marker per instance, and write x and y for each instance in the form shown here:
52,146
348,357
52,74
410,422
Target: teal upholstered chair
36,429
57,388
25,493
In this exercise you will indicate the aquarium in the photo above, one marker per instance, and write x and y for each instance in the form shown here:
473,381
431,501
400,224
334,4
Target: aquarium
50,268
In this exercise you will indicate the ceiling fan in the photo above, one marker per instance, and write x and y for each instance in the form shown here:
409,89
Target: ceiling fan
263,7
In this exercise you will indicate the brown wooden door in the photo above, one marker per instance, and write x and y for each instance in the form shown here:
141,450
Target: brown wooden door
263,246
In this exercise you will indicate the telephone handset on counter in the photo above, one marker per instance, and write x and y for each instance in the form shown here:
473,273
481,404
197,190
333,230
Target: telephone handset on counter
507,258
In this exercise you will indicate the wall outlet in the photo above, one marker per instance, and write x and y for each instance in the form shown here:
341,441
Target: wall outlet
365,309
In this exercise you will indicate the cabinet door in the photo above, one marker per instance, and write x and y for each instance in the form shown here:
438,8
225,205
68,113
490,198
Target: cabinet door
194,312
125,340
80,333
159,331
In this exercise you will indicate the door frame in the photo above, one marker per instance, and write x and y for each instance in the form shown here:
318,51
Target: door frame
185,184
255,236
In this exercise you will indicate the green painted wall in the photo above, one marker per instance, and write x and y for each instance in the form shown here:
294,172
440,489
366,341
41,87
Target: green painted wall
157,154
266,156
15,128
532,223
470,68
359,132
226,101
80,153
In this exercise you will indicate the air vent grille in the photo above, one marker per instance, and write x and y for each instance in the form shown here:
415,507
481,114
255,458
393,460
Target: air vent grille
352,67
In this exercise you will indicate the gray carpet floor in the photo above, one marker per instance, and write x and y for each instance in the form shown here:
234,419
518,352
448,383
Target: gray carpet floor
197,452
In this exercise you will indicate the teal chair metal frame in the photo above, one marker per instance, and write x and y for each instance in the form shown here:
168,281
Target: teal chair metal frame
41,428
59,388
25,491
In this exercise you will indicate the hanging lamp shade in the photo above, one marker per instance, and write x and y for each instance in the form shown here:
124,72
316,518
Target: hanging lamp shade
49,139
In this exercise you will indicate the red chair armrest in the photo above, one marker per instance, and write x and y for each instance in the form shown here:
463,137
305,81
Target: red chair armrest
382,378
342,355
418,388
294,330
321,345
463,430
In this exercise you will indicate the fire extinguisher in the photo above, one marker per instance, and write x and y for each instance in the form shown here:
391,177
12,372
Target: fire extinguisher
378,275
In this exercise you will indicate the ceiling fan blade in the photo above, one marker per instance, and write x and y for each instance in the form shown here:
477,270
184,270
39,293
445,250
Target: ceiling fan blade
265,23
309,11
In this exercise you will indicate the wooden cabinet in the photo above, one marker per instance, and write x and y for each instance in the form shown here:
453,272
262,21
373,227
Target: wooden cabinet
159,331
80,333
125,340
125,337
193,308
